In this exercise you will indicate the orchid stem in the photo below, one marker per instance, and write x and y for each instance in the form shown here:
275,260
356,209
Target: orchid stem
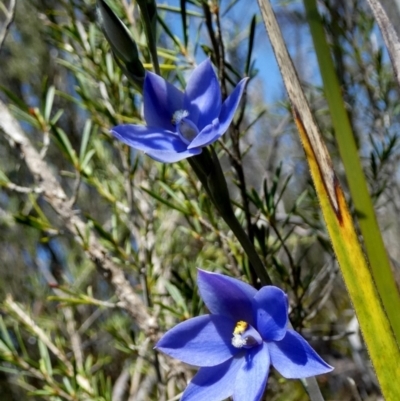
248,247
208,169
312,388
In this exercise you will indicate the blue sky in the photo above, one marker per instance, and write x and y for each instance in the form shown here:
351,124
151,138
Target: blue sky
298,41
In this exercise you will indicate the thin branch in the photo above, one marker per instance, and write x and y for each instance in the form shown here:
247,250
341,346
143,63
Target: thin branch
221,61
10,13
29,322
22,190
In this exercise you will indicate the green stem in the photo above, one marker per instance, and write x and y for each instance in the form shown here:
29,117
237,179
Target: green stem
209,171
311,386
240,234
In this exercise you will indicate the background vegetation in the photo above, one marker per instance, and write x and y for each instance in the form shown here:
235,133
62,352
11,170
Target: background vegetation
66,332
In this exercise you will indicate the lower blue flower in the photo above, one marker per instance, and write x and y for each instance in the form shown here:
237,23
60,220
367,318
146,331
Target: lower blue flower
236,344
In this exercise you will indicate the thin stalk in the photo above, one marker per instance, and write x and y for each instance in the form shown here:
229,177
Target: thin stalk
209,171
240,234
312,388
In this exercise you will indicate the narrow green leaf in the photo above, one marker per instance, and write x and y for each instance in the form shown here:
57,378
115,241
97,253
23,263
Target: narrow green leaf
65,144
49,103
177,296
87,158
45,359
3,178
22,115
56,117
169,32
165,202
18,102
5,335
33,222
85,139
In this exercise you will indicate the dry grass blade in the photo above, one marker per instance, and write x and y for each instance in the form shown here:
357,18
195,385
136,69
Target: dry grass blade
299,101
389,35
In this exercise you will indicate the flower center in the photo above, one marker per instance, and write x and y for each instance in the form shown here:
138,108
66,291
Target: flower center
245,336
186,129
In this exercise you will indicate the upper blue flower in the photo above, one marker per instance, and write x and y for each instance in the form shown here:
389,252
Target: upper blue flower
179,123
235,345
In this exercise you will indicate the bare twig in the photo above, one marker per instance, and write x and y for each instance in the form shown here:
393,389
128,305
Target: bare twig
29,322
389,35
121,385
10,13
22,190
74,335
221,61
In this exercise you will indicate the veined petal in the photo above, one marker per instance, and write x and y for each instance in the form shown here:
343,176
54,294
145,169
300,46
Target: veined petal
215,383
148,138
230,105
294,358
171,156
270,306
203,95
200,341
226,296
161,145
161,99
252,377
208,135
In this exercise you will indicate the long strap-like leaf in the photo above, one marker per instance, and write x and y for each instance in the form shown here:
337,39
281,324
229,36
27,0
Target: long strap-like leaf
381,343
374,246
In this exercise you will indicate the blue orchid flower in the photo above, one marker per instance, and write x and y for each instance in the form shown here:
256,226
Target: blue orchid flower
235,345
179,123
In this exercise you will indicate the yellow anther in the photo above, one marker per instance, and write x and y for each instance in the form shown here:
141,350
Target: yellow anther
240,327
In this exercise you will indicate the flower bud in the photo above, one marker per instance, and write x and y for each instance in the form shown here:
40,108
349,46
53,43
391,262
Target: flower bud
121,42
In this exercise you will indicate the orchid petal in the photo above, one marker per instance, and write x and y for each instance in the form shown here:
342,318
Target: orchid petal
252,377
203,95
294,358
161,145
200,341
161,100
230,105
270,307
148,139
208,135
213,383
172,156
226,296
